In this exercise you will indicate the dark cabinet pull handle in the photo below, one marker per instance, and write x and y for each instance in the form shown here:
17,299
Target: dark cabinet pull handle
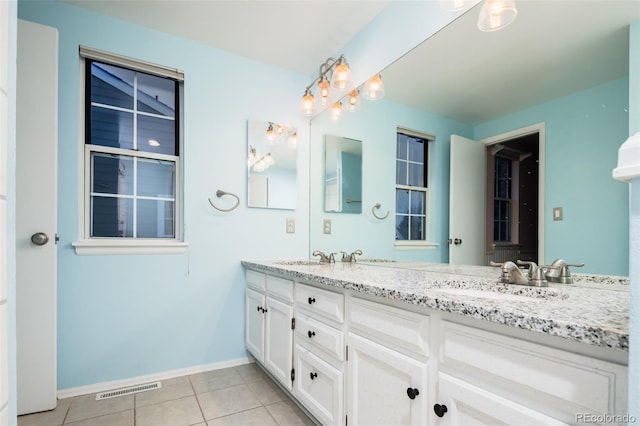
312,300
313,375
412,393
259,308
440,410
311,334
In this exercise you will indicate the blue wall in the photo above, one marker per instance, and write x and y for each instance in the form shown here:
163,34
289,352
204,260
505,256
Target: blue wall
123,316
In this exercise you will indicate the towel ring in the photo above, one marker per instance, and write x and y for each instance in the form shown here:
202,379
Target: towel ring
376,207
220,193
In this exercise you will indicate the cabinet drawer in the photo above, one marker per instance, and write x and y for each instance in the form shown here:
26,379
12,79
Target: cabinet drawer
319,387
386,324
256,280
320,302
563,382
280,288
320,335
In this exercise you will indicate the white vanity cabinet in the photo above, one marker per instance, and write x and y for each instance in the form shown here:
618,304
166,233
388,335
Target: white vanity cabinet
319,353
269,315
488,378
388,367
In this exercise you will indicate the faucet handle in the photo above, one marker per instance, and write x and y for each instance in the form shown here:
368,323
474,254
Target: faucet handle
533,268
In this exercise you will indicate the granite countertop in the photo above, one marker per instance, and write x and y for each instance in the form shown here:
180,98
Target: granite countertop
594,310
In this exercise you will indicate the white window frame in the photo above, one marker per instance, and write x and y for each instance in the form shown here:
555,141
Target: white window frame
118,245
424,244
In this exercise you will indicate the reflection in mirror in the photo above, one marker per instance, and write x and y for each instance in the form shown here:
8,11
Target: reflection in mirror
343,175
271,165
524,83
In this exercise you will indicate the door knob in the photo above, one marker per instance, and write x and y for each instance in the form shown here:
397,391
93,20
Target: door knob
39,238
457,241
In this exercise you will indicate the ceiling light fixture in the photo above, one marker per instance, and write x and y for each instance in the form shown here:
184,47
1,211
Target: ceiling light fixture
496,14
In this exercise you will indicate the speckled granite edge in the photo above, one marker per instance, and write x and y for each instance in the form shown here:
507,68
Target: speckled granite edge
569,312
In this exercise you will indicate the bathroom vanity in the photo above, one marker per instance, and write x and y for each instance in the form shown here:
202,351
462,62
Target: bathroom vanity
417,343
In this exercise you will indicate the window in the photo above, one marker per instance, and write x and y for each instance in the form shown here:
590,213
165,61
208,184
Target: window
502,200
412,152
132,149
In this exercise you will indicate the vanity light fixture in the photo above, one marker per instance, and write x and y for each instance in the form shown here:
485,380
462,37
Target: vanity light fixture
496,14
374,88
259,164
270,133
153,142
332,73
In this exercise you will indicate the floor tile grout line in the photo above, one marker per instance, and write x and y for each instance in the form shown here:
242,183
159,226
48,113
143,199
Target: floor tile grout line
195,394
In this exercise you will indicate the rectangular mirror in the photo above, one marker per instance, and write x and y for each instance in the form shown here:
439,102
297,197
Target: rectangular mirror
272,156
343,175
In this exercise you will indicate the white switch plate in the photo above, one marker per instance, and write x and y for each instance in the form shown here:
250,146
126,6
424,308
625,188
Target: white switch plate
557,213
291,225
326,226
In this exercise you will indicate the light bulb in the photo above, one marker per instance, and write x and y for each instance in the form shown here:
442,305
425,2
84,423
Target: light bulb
374,88
336,111
341,74
353,100
308,102
324,87
270,133
496,14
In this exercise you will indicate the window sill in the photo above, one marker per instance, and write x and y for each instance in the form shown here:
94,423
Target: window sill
100,247
415,245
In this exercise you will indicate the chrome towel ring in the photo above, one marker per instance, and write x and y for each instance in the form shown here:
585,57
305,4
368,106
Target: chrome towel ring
377,207
220,193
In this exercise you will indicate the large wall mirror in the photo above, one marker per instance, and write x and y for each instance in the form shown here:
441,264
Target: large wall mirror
272,155
342,175
574,80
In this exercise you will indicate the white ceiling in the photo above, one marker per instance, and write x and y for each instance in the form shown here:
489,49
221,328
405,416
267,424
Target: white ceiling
555,47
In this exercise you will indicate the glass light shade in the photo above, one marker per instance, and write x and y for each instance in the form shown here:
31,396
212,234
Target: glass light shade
353,100
325,88
336,111
374,88
292,142
496,14
308,103
270,133
341,75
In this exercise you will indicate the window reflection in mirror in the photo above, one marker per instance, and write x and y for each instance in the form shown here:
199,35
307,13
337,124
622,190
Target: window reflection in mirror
343,175
271,164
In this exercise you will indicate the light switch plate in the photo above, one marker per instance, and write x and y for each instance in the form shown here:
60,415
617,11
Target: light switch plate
291,225
326,226
557,213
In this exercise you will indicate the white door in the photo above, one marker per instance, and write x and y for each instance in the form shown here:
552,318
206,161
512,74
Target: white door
278,346
461,403
254,333
36,158
385,387
467,202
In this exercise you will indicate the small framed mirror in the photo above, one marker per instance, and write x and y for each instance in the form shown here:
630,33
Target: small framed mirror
272,157
343,175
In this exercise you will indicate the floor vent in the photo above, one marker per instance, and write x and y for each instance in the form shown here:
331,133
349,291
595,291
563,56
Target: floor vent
127,391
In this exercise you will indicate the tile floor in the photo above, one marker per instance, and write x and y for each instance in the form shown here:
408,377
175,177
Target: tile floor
242,395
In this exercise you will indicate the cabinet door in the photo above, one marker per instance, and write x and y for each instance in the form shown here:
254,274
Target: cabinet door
462,403
254,317
319,387
385,387
278,352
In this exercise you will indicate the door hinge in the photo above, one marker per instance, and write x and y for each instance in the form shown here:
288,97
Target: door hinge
346,420
293,323
57,238
346,352
293,374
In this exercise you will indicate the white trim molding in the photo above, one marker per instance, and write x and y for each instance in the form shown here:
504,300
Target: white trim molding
138,246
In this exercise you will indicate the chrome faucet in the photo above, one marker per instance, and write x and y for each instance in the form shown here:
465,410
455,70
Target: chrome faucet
350,257
558,271
324,258
511,273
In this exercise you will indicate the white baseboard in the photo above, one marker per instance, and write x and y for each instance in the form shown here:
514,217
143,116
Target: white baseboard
165,375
